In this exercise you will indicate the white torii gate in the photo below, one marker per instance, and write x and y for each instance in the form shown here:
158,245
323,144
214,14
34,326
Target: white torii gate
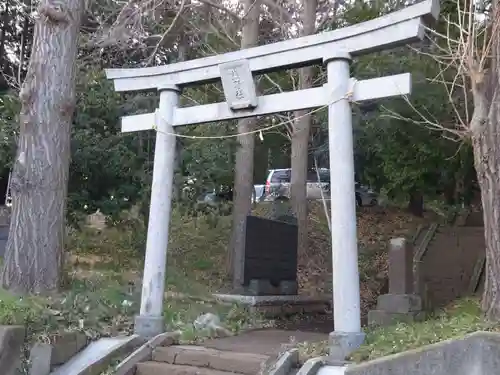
235,69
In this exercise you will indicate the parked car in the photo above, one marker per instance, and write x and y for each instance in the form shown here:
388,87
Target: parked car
213,199
278,187
258,194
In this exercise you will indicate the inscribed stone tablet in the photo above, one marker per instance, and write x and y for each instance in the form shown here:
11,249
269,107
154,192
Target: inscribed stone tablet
238,85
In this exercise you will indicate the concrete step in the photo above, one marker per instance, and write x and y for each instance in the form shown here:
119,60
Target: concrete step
158,368
198,356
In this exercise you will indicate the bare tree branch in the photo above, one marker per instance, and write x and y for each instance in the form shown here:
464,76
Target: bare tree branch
464,50
174,21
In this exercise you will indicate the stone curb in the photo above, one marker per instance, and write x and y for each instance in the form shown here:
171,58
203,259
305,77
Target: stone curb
145,351
97,362
311,366
45,357
11,344
285,363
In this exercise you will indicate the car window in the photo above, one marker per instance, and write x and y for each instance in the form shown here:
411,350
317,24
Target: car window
312,176
324,176
281,176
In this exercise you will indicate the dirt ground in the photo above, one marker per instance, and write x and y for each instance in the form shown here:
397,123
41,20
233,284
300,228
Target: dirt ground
448,264
376,226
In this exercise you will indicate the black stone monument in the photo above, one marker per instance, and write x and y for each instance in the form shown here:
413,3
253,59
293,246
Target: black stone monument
270,256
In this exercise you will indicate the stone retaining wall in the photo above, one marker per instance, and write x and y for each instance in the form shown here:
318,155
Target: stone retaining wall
11,345
475,354
43,356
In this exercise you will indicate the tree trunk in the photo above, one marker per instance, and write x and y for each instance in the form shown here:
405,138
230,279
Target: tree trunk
416,204
468,178
34,254
300,137
243,185
486,146
182,55
3,33
485,130
486,143
4,60
451,189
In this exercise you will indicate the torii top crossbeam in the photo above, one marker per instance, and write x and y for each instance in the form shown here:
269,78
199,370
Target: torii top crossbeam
394,29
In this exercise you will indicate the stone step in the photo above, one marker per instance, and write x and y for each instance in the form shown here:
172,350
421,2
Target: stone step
158,368
199,356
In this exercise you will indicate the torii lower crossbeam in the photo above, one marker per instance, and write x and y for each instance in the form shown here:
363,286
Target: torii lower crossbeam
369,89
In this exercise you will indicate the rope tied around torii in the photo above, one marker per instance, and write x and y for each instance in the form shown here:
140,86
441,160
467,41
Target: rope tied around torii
348,96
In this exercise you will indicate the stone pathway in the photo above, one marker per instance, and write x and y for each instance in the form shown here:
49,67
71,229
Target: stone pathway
263,341
244,354
199,360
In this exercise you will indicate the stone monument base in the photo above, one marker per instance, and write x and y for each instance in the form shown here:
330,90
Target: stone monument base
342,344
282,305
263,287
395,308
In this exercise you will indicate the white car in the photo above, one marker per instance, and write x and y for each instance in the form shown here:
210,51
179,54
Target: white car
278,187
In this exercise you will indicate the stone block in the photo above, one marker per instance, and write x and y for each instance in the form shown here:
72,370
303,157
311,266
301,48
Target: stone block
11,346
195,356
98,355
384,318
127,366
260,287
399,303
148,326
285,363
167,355
40,359
238,85
156,368
234,362
311,366
288,288
66,346
198,356
474,354
342,344
44,357
165,339
400,266
144,352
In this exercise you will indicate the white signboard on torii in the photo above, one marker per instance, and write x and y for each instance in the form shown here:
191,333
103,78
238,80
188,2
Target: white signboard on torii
235,69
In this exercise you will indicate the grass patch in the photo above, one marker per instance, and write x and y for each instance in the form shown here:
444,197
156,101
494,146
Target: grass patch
198,252
97,309
107,308
196,259
102,289
457,320
461,318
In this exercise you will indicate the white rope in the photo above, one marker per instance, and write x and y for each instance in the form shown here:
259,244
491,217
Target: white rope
347,96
